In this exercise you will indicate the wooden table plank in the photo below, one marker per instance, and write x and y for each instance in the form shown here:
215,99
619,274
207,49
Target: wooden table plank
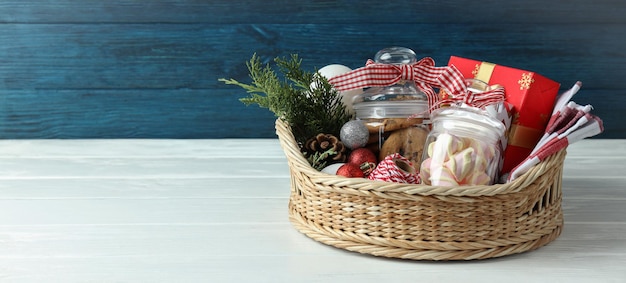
175,210
148,188
277,250
133,148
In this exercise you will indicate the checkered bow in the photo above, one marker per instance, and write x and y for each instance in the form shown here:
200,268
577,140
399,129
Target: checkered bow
425,75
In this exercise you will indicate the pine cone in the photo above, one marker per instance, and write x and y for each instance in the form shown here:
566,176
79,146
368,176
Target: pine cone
322,143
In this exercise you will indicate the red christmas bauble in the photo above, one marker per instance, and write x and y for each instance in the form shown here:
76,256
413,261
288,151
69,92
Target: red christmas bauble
350,170
362,155
365,158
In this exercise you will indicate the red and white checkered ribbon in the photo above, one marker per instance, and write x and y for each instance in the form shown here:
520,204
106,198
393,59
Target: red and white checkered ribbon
475,99
389,170
423,73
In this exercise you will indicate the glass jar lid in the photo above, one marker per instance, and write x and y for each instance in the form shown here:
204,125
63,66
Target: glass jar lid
402,99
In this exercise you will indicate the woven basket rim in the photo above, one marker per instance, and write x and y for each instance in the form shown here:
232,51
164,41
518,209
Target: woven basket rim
298,162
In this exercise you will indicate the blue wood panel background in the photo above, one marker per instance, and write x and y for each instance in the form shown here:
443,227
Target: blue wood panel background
149,69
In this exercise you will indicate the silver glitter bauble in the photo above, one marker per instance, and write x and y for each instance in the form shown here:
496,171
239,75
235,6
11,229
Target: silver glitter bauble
354,134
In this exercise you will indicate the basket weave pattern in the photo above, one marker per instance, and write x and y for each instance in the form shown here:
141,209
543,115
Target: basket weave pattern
424,222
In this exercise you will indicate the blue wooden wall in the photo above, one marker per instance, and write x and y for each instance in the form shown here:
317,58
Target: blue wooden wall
149,69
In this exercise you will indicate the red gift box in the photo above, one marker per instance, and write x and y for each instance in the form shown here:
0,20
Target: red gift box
532,96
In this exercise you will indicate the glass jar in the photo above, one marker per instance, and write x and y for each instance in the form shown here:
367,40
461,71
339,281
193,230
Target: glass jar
463,148
395,115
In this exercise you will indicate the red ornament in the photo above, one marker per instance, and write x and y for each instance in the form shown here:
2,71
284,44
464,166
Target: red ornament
364,158
350,170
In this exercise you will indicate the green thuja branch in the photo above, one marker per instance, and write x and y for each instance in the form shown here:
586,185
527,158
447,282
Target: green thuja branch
317,159
304,99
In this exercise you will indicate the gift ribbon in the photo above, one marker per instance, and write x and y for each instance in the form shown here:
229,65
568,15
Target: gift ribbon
483,71
424,74
525,137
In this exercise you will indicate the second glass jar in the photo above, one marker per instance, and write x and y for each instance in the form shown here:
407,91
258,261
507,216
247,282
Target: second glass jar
463,148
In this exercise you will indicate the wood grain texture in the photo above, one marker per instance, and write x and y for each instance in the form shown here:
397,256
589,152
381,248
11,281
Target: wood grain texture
133,210
311,11
130,113
172,56
183,113
124,68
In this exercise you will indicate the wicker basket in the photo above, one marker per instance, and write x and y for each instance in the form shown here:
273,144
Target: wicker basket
424,222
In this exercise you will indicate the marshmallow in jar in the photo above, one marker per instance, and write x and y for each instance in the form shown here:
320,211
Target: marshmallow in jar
463,148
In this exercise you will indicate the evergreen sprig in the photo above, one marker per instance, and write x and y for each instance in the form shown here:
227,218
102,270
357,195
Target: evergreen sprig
306,100
317,159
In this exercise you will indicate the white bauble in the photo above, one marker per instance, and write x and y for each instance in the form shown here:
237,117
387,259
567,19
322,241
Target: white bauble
332,169
334,70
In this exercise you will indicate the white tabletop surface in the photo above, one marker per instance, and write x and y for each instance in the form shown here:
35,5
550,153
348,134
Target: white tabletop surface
216,211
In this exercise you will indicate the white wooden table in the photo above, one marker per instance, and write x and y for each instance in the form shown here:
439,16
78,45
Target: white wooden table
216,211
